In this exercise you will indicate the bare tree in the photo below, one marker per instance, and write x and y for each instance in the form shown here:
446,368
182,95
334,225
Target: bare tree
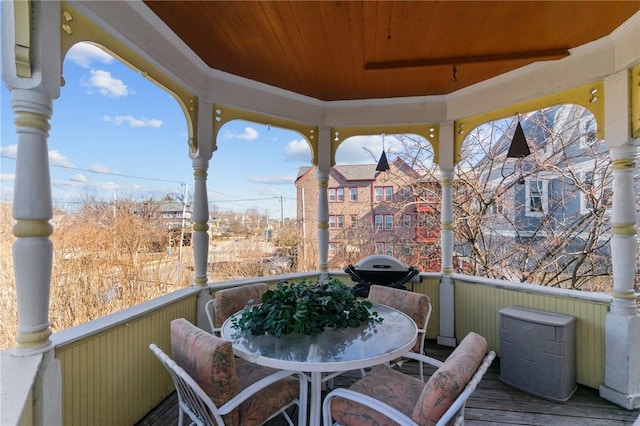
540,219
102,262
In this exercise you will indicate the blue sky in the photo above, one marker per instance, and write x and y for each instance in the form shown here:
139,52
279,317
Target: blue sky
116,134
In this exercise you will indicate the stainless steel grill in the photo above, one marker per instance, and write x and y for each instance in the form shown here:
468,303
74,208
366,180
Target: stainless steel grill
383,270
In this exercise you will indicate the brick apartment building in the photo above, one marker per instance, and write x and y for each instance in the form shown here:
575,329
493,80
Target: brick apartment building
393,212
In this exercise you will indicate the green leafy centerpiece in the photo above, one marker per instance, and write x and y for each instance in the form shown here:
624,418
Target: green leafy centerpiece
306,308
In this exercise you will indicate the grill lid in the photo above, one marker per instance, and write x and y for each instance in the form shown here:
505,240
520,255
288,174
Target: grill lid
380,263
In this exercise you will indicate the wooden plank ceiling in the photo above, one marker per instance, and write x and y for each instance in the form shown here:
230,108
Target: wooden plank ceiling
341,50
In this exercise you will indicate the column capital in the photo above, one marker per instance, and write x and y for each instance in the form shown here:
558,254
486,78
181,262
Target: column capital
34,100
447,173
625,152
200,163
322,176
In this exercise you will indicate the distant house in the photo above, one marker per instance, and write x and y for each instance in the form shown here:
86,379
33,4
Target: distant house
394,212
174,216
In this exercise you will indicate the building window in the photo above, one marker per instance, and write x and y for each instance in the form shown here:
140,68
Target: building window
379,194
388,193
406,220
384,248
336,222
383,193
383,222
378,222
388,222
354,220
406,192
422,220
336,194
353,194
406,249
536,195
332,249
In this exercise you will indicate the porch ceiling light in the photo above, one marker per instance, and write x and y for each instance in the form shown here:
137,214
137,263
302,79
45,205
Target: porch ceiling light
519,147
383,164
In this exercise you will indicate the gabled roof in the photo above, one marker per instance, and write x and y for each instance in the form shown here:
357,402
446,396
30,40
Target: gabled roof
356,171
362,172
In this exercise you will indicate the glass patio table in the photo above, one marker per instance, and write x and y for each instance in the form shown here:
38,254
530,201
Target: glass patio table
331,351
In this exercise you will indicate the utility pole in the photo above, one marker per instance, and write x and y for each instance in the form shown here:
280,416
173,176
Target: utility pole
184,212
281,220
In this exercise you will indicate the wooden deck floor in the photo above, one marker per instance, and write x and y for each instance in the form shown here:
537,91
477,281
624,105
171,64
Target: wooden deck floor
492,403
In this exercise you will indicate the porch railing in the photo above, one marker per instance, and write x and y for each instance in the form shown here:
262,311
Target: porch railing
478,300
109,376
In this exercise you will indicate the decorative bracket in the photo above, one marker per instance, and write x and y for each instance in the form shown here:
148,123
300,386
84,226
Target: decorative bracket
22,47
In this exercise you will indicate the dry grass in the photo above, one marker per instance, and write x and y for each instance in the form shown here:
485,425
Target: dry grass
101,265
8,308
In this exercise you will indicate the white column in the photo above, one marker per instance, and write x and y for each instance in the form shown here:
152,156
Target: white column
200,221
31,70
200,238
324,168
622,348
32,210
446,334
33,76
323,224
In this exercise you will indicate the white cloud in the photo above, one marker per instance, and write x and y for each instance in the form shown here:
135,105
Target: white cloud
298,150
79,178
366,149
249,134
9,151
105,84
107,186
81,182
57,159
99,168
84,54
132,121
7,177
272,180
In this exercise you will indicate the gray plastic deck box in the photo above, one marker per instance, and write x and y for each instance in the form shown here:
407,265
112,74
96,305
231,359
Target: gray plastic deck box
538,352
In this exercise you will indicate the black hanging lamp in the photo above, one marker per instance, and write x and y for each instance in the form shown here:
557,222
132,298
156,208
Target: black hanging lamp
519,149
383,164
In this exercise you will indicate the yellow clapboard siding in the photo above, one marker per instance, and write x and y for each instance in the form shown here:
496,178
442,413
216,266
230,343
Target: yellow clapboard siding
477,306
111,377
